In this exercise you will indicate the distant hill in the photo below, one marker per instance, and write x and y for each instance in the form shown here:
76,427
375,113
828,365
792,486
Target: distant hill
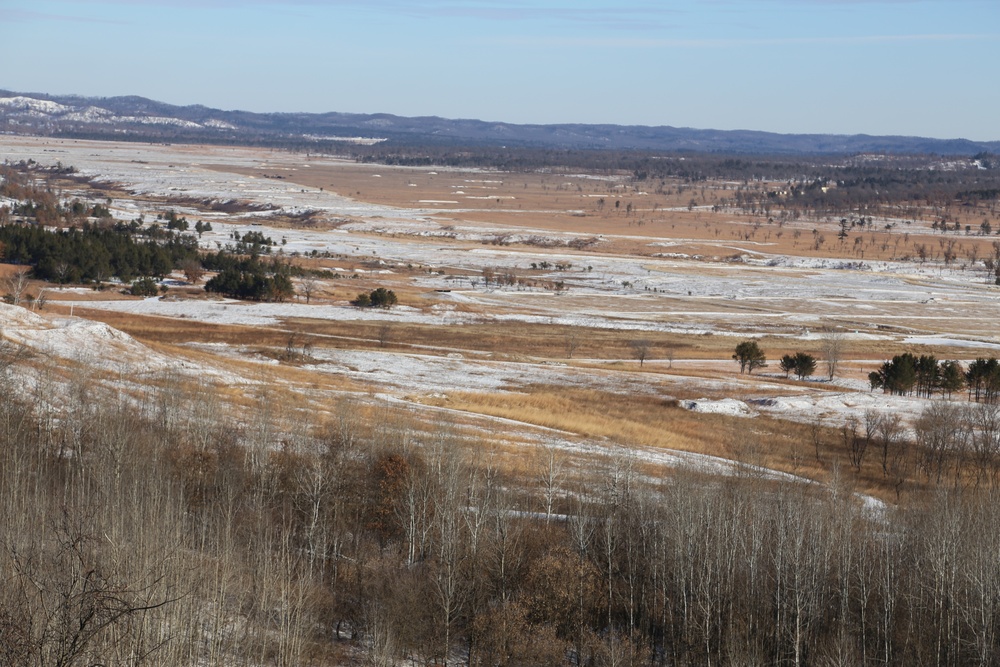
141,119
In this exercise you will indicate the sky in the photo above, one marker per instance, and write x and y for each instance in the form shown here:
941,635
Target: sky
891,67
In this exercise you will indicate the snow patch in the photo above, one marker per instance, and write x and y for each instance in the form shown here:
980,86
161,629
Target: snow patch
943,341
725,406
31,104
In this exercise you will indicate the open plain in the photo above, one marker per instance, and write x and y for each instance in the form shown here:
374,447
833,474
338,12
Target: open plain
589,312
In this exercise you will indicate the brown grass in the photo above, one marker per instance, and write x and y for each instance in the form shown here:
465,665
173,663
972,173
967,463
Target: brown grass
561,203
657,423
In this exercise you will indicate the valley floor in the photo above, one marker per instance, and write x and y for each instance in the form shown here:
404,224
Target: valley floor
523,305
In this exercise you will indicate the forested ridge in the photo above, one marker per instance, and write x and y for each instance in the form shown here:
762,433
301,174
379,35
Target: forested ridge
333,130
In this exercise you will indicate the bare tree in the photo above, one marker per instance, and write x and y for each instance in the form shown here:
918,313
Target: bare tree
941,430
193,271
549,474
72,591
984,439
308,286
291,352
669,353
572,342
16,284
854,443
890,434
833,349
384,333
448,576
816,434
38,303
640,349
62,272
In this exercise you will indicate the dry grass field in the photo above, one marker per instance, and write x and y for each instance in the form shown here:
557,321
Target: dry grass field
538,309
583,205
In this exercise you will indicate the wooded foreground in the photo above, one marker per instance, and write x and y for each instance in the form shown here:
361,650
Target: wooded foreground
153,529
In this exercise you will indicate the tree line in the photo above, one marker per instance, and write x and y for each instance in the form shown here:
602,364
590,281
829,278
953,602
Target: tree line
924,375
249,277
92,253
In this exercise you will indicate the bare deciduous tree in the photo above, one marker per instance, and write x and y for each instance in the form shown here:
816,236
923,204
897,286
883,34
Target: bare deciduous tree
669,353
193,271
940,431
833,349
308,286
384,333
641,348
854,443
550,471
984,440
16,284
572,342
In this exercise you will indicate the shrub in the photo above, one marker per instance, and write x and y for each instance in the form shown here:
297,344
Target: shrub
380,297
145,287
383,298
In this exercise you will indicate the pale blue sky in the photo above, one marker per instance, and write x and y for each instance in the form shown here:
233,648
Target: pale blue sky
909,67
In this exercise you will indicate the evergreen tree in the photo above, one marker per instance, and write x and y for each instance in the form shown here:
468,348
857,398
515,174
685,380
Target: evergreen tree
787,364
805,365
749,356
950,377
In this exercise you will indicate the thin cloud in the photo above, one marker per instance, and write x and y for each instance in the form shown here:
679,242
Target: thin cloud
491,10
638,16
29,16
628,19
812,3
613,42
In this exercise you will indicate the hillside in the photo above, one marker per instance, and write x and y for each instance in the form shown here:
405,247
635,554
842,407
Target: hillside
140,119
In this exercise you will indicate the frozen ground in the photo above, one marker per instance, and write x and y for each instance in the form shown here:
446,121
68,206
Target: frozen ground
749,293
229,311
100,346
774,294
84,341
167,171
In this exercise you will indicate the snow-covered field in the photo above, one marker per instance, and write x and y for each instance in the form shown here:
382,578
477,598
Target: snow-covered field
748,293
229,311
82,341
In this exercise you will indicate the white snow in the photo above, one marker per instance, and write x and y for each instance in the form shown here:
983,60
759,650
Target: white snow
155,120
230,311
32,104
725,406
90,115
363,141
219,124
946,341
96,343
